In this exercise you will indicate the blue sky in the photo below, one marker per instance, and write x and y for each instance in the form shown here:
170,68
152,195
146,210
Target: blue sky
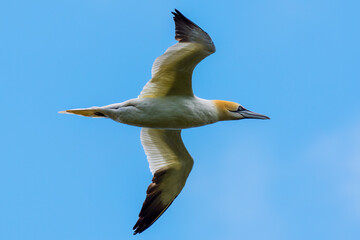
296,176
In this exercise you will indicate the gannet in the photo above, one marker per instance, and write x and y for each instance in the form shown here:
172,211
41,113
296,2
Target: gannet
165,106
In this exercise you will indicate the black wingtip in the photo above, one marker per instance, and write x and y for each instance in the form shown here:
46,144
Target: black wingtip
153,207
183,26
178,14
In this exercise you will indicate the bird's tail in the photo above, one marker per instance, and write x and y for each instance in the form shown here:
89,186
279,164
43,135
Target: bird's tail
87,112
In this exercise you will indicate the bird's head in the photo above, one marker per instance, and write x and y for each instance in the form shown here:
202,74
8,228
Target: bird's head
234,111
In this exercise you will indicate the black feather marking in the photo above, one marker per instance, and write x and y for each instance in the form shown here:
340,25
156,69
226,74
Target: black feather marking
99,114
152,207
183,27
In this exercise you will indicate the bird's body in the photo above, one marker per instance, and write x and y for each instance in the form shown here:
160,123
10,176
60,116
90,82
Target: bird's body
171,112
165,106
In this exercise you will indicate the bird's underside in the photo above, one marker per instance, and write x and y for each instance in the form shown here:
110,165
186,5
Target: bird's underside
164,107
170,162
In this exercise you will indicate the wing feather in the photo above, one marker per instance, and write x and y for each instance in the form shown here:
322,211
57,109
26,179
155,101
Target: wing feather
170,164
172,71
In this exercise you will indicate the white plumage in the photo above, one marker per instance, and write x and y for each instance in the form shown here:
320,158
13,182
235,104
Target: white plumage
164,107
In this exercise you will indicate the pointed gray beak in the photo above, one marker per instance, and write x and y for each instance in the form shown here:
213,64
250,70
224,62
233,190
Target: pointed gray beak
250,114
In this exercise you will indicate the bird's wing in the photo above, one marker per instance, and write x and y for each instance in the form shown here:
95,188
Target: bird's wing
172,71
170,163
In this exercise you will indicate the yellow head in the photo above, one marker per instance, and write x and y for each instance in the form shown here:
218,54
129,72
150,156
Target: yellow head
234,111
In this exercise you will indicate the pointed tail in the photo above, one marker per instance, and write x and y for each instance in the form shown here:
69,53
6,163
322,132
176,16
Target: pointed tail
87,112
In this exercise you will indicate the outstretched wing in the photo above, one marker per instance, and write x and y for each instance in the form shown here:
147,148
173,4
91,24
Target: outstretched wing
170,163
172,71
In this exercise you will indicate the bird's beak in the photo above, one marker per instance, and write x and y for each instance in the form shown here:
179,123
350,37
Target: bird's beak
254,115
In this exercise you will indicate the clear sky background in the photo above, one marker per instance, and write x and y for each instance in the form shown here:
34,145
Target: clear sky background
294,177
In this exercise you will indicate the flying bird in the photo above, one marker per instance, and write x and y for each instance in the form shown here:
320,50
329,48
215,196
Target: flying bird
165,106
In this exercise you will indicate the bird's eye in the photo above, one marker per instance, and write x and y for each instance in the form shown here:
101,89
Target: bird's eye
241,108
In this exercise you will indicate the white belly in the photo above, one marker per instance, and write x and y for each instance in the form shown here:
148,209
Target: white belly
168,112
